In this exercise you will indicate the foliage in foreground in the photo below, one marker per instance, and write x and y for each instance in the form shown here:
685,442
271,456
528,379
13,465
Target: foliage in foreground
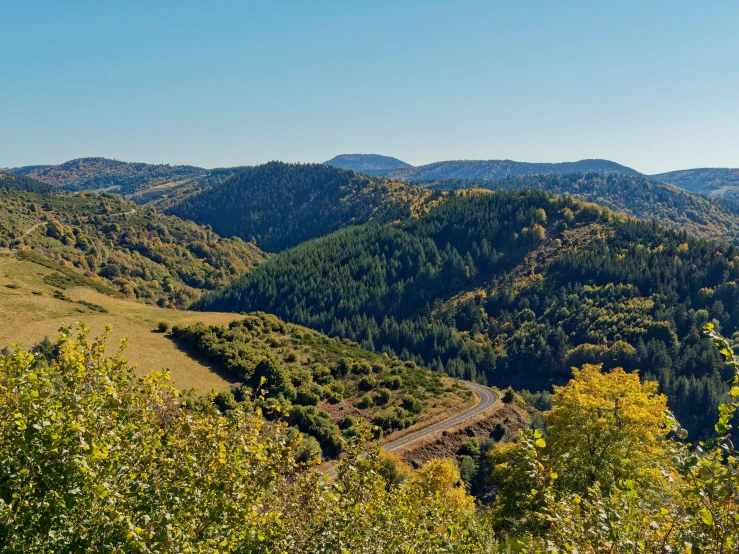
94,460
605,478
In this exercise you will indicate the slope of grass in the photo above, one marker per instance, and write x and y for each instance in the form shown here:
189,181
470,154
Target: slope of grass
31,310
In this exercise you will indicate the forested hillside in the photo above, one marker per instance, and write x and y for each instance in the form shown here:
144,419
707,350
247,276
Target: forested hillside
321,385
713,181
632,195
369,164
280,205
19,182
500,169
137,251
101,173
514,288
165,195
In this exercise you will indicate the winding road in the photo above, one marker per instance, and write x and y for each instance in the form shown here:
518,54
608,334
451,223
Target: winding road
487,399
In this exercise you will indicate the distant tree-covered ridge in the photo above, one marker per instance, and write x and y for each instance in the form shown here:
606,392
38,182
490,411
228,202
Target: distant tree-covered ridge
369,164
501,169
633,195
514,288
321,385
280,205
713,181
100,173
137,251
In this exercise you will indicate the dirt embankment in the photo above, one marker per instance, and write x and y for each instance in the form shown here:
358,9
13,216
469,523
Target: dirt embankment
483,426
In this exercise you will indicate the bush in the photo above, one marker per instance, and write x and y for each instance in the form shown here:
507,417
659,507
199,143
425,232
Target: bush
395,382
412,404
499,431
508,396
388,419
470,447
365,402
467,469
362,369
306,397
318,424
308,450
367,383
162,326
340,369
382,396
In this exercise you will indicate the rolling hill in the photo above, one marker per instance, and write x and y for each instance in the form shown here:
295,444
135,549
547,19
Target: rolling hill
369,164
133,250
635,196
323,385
719,182
329,383
34,307
280,205
501,169
103,173
514,288
141,182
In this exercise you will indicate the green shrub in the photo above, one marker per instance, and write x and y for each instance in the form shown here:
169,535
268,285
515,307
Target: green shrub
412,404
470,447
367,383
306,397
395,382
382,396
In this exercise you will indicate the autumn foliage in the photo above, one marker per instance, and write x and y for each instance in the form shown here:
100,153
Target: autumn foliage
93,459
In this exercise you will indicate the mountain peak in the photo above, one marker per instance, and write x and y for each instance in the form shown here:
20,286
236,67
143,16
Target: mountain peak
371,164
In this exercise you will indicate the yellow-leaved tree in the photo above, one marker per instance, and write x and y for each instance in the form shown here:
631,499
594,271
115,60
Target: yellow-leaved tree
604,427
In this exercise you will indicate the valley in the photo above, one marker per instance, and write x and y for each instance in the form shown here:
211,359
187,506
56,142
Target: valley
440,320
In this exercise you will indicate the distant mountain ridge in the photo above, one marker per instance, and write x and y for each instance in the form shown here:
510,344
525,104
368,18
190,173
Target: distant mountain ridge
98,173
394,168
370,164
636,196
713,181
501,169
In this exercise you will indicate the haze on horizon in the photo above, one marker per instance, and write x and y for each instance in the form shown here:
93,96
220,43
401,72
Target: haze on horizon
650,86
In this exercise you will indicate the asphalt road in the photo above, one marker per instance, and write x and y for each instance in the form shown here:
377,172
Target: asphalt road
487,399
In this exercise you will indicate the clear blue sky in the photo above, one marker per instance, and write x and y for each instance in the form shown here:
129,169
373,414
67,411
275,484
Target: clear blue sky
653,85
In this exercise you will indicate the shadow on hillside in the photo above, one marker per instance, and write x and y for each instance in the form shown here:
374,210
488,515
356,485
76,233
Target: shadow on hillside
193,353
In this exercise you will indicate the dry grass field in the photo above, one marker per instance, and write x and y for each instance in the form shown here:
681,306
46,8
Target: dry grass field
29,311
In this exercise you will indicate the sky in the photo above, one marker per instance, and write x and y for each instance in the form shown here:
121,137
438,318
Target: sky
649,84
